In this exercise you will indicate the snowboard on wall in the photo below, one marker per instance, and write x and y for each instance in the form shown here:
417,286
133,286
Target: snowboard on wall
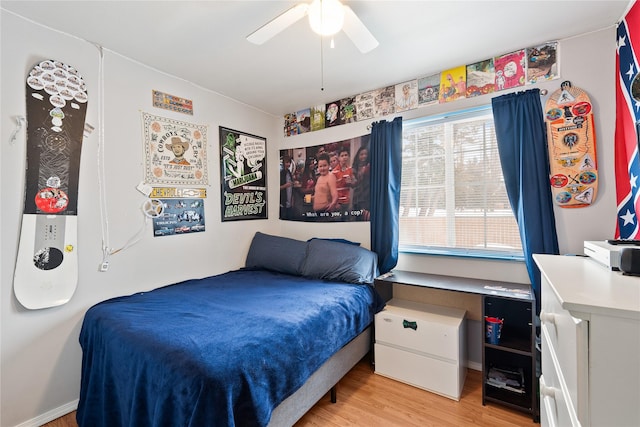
572,147
46,272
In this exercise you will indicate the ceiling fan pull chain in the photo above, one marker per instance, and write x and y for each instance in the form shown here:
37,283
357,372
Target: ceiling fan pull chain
321,66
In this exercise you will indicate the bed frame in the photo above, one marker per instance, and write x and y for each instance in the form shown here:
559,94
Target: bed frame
324,379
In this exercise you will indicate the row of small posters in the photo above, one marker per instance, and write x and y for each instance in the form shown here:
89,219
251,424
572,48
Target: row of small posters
525,66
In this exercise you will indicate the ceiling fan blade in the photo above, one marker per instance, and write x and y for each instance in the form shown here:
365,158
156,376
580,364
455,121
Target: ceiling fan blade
278,24
357,32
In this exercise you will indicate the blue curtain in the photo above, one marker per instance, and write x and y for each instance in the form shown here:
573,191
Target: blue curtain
522,144
386,172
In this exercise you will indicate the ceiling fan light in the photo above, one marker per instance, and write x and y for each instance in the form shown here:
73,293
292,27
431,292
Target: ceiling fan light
326,17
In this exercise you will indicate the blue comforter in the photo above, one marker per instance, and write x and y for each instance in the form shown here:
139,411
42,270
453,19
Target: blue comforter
219,351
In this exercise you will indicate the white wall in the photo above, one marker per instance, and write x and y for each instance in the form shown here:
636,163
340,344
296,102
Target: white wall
40,355
588,61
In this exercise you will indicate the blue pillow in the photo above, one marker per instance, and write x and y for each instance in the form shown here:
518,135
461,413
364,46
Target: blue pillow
349,242
339,262
276,253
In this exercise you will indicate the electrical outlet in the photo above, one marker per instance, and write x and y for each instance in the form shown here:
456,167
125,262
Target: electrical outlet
104,266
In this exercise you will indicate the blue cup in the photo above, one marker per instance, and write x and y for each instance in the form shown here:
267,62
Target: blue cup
494,328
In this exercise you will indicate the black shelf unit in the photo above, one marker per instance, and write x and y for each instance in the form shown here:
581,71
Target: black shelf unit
512,301
515,352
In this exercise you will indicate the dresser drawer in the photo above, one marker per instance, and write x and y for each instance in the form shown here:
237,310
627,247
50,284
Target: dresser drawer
567,339
435,375
595,345
427,329
556,401
554,411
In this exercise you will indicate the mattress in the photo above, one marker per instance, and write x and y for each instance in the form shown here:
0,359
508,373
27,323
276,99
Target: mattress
220,351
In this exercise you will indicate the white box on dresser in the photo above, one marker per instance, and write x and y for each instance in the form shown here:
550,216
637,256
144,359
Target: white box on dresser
590,334
423,345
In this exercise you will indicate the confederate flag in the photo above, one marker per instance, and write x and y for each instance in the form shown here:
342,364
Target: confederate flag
627,133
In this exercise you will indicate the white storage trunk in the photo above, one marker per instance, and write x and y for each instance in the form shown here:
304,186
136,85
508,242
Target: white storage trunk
422,345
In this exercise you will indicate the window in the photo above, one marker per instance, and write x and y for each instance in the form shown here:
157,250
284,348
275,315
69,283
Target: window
453,199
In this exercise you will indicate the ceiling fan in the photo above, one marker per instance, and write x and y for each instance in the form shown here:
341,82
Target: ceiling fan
326,17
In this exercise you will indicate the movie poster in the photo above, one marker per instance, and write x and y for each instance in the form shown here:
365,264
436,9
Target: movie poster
244,178
175,151
326,183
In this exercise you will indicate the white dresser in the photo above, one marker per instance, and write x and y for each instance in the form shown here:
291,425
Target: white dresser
422,345
590,324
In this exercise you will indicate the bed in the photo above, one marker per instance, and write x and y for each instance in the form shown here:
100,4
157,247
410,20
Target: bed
257,346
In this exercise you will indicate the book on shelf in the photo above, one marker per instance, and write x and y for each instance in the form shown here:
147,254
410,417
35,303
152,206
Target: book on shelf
511,379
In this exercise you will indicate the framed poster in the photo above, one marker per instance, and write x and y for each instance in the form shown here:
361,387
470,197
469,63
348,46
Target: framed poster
243,169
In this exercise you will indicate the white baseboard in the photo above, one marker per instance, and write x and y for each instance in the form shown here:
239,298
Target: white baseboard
50,415
474,365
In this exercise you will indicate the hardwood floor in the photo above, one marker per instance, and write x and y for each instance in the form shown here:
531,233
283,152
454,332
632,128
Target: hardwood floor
367,399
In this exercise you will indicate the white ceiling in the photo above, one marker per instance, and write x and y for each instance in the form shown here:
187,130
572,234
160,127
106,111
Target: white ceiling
204,41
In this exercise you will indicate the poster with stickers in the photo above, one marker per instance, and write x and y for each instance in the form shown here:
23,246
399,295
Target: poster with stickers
243,168
175,152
